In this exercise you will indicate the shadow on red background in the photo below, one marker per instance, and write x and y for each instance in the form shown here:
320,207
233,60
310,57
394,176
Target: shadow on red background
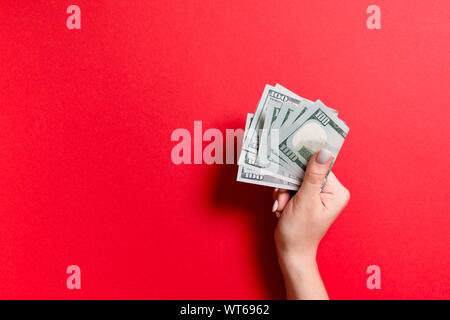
256,202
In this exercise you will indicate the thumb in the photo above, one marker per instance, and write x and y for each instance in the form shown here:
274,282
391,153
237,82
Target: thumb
316,172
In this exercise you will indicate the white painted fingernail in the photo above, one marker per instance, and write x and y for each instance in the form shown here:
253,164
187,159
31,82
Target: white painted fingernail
323,156
276,189
275,206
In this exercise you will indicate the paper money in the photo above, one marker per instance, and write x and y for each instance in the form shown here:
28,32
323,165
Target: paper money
249,175
283,134
316,129
270,96
256,147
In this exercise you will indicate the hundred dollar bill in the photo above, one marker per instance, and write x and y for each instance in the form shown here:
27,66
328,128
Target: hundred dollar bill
267,157
264,146
285,117
316,129
254,150
282,136
270,96
250,175
276,116
248,160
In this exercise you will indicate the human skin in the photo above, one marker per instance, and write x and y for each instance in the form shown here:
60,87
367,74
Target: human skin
304,220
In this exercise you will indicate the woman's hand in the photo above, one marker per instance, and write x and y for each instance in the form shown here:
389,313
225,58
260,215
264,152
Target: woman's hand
304,220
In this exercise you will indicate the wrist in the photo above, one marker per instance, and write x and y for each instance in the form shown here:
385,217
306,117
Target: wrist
297,262
302,278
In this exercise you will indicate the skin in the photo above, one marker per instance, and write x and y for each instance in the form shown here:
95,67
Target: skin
305,219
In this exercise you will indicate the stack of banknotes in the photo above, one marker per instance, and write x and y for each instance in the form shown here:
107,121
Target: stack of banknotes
283,134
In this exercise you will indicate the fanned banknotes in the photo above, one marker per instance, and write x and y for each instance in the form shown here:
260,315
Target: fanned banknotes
283,134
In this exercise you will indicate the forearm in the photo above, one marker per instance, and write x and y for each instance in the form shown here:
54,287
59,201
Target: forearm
302,279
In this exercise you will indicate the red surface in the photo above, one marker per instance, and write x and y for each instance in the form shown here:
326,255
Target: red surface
86,117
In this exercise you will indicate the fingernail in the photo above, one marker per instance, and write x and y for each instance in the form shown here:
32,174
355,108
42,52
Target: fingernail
276,189
275,206
323,156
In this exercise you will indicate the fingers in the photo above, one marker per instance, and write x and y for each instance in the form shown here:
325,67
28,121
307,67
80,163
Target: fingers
334,195
341,192
331,184
281,198
316,171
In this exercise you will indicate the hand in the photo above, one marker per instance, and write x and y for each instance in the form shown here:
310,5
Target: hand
304,220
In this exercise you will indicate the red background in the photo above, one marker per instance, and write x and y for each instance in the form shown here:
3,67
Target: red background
86,118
